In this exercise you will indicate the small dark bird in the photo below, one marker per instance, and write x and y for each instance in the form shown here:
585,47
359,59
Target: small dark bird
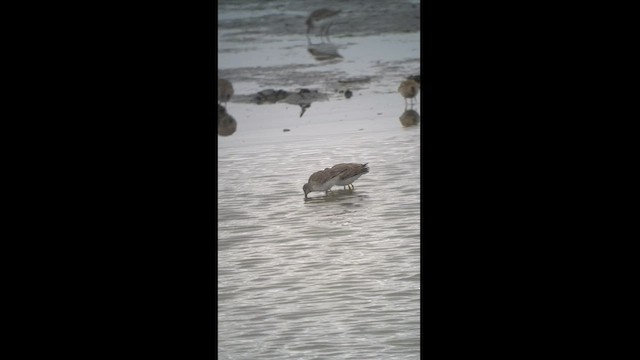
303,108
302,92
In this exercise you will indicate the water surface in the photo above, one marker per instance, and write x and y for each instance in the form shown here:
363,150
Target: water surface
334,276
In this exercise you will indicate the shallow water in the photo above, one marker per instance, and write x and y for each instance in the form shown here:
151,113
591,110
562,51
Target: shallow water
333,276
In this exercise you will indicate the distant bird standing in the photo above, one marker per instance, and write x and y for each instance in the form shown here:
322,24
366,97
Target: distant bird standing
323,19
304,107
323,180
354,171
409,89
304,103
225,91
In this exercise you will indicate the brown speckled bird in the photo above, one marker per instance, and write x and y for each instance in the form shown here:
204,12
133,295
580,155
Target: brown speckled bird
354,171
225,91
409,89
323,180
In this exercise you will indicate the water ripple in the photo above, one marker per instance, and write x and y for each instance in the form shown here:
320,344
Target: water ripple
334,276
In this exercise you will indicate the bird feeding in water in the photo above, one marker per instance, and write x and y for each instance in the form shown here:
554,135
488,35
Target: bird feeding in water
322,180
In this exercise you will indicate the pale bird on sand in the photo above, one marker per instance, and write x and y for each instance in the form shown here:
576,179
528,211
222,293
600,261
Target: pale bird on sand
409,89
323,19
354,171
225,91
322,180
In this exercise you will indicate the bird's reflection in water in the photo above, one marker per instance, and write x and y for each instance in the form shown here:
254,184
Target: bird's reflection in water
227,125
323,51
409,118
338,196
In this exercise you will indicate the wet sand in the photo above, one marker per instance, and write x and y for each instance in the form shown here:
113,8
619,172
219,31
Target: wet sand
263,46
251,20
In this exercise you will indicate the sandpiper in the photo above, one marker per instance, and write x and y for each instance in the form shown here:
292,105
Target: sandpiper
409,89
323,19
225,91
354,171
323,180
